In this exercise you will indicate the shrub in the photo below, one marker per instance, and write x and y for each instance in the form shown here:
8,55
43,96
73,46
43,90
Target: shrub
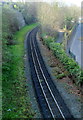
60,76
47,40
71,66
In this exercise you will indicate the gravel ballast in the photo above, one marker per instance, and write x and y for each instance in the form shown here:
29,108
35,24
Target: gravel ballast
69,92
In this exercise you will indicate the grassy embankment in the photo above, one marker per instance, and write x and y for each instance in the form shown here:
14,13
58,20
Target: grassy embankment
15,100
74,70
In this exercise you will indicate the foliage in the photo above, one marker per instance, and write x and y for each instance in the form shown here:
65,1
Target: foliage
16,103
60,76
12,18
56,16
47,40
70,65
29,11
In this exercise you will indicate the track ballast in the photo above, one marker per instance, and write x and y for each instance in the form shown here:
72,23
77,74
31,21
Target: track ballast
50,101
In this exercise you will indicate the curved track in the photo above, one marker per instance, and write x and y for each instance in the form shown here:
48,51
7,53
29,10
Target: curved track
50,101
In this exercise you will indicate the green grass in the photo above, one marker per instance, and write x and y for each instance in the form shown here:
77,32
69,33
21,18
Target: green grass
16,103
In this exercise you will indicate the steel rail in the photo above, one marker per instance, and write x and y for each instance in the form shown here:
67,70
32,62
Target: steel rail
48,84
40,82
45,87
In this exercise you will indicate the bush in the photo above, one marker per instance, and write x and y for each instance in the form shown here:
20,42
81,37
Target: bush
71,66
15,101
60,76
47,40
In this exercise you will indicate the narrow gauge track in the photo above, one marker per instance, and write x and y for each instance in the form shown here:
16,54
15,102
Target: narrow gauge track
51,103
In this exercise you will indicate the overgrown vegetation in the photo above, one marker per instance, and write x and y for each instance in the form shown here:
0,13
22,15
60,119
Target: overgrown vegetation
57,15
15,100
69,64
29,11
16,103
55,18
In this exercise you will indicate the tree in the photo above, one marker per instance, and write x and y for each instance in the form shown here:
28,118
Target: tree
29,11
55,16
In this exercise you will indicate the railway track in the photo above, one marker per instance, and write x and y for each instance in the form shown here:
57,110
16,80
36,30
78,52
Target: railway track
50,101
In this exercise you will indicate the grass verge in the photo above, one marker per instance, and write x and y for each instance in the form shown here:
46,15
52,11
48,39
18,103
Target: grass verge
15,100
